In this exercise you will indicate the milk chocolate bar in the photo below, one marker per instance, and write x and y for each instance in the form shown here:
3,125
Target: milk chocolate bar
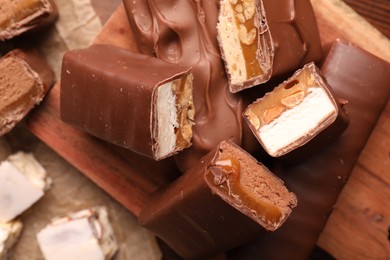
20,16
295,112
295,34
131,100
226,200
25,78
246,43
364,80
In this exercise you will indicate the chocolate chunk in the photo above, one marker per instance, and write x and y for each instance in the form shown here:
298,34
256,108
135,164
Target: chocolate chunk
294,32
20,16
132,100
186,35
246,44
295,112
363,79
226,200
25,77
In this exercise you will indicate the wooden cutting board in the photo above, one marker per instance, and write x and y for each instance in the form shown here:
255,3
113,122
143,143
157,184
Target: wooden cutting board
359,227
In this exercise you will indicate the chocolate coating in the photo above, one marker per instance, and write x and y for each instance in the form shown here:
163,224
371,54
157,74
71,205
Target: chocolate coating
198,218
184,32
364,80
294,32
109,92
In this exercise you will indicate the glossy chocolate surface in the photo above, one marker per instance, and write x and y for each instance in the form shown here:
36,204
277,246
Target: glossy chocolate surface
184,32
109,93
364,80
198,219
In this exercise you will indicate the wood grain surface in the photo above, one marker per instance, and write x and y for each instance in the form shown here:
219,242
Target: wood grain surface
359,226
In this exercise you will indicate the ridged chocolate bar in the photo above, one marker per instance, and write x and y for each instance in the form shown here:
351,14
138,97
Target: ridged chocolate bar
226,200
25,78
364,80
131,100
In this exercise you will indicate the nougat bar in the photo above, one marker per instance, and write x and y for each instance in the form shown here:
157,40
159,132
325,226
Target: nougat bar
9,235
128,99
226,200
20,16
245,42
363,79
295,112
23,181
86,234
25,78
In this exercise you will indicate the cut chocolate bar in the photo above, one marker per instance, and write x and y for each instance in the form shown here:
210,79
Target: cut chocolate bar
132,100
23,182
246,44
25,78
186,35
86,234
223,202
363,79
20,16
295,112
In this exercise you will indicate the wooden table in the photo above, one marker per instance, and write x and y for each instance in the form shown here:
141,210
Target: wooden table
359,227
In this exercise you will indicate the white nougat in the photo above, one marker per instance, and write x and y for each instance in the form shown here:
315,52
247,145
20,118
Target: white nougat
298,122
9,234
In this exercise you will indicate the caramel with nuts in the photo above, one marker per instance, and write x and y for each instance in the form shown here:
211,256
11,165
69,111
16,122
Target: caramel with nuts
15,11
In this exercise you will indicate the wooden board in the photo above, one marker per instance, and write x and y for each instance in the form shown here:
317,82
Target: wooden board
362,215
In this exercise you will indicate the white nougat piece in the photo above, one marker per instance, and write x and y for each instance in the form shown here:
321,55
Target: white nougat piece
9,234
86,234
22,183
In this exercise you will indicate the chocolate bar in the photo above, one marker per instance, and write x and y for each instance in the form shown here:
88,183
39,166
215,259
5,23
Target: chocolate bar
25,77
186,35
363,79
21,16
246,44
295,34
131,100
295,112
226,200
86,234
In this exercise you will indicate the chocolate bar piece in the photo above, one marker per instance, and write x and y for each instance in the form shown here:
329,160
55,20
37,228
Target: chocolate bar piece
20,16
295,112
86,234
25,77
295,34
131,100
364,80
225,201
186,35
246,44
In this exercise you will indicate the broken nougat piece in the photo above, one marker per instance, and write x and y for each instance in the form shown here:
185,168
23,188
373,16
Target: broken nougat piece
245,42
86,234
225,201
138,102
20,16
23,182
9,234
295,112
25,78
